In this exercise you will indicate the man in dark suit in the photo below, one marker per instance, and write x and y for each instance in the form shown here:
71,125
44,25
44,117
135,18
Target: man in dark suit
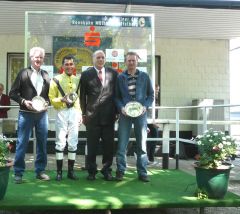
4,101
99,113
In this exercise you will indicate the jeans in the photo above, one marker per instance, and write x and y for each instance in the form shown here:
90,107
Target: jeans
140,130
26,122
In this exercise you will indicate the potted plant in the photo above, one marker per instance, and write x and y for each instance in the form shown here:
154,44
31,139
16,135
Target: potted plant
213,166
5,164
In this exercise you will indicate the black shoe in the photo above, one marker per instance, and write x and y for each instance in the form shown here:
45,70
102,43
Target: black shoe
143,178
59,176
107,175
91,177
119,176
71,175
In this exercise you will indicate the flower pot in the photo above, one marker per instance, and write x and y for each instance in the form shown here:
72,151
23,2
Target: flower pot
4,176
214,182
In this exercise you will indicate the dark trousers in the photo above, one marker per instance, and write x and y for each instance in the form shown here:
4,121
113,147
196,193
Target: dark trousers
94,134
151,145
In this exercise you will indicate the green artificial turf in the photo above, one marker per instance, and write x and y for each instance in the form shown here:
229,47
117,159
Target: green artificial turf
167,188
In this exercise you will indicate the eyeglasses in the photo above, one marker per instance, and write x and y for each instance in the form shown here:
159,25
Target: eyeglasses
68,64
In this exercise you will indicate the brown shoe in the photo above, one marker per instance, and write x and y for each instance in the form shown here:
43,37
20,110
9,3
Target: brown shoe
119,176
42,176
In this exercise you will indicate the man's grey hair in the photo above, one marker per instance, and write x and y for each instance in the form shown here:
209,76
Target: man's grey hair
36,49
96,52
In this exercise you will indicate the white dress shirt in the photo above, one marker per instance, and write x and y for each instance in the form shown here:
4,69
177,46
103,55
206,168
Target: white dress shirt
37,80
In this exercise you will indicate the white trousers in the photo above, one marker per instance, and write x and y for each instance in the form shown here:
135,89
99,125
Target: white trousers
66,126
71,156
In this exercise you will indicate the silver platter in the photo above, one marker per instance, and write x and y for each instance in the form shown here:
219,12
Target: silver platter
134,109
71,97
38,103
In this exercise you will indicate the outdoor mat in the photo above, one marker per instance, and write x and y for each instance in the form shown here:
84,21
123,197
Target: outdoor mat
167,189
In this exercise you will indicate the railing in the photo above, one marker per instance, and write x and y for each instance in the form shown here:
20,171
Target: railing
165,128
204,122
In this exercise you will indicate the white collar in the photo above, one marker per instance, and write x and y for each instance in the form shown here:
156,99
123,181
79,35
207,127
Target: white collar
103,69
34,70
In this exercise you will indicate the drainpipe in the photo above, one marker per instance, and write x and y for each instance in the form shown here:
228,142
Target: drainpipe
128,8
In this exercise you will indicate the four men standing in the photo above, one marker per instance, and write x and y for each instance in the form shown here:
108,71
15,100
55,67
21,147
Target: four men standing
102,93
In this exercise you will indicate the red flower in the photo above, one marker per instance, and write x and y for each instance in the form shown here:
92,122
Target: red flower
216,149
61,70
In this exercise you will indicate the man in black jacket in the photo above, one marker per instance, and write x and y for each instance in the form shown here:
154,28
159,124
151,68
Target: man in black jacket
32,82
99,113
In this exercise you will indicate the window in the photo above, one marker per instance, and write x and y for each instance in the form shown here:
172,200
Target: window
15,62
